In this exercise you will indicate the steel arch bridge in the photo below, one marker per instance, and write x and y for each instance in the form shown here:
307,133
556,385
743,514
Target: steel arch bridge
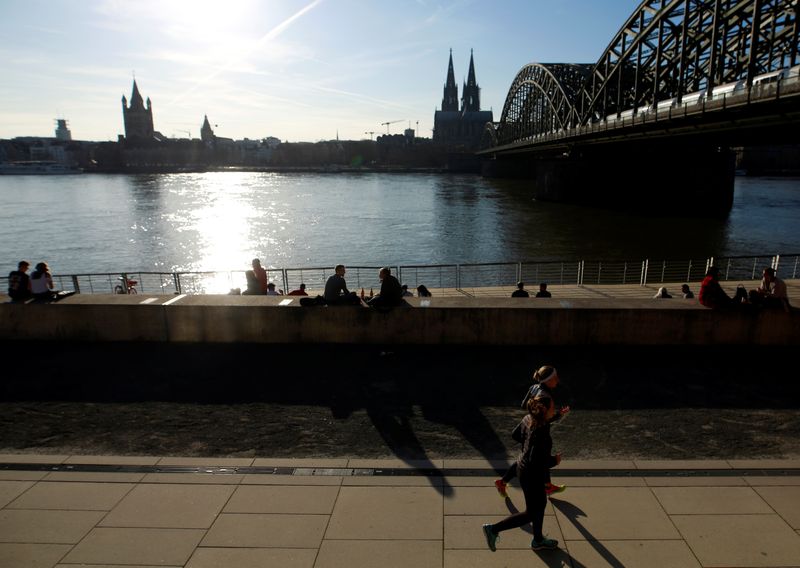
667,53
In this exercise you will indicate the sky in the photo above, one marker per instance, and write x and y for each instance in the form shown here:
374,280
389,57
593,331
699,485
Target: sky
298,70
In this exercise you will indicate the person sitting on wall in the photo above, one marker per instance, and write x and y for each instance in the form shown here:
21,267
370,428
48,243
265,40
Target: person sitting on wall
662,293
406,293
391,293
301,291
19,283
771,293
687,293
336,292
543,293
261,275
423,292
253,285
271,290
520,292
711,293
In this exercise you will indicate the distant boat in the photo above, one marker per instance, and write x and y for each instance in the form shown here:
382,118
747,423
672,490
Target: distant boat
37,167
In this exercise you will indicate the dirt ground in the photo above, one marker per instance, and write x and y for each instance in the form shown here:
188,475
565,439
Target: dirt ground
409,402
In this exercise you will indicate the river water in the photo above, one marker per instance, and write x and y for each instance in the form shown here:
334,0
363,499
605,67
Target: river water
219,221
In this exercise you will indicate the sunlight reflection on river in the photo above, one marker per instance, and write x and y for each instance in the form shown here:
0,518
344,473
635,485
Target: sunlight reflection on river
220,221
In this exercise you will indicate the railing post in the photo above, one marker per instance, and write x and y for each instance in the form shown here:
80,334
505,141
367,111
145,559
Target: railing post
624,271
599,271
458,276
663,269
519,271
689,272
561,281
285,281
643,279
753,273
75,285
176,277
775,261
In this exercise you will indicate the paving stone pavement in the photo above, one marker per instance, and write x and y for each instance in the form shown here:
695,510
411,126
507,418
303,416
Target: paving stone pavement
65,511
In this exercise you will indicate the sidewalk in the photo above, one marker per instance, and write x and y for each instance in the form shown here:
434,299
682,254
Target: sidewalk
150,511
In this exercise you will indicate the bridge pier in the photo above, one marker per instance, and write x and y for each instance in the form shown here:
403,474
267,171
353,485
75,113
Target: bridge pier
695,180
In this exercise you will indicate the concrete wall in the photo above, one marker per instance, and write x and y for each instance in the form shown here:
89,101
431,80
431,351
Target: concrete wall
456,321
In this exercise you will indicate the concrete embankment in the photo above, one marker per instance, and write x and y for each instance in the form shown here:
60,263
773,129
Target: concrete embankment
448,321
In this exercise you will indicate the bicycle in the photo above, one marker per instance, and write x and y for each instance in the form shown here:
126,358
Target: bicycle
130,286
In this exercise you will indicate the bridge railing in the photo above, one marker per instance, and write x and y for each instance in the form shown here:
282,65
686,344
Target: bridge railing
457,276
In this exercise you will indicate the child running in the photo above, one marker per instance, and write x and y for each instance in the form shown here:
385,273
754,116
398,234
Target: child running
533,464
545,379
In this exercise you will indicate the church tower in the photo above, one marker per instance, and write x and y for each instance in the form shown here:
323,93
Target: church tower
138,119
471,95
206,134
450,98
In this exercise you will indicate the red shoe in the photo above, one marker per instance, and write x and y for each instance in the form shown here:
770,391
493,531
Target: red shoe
550,488
501,488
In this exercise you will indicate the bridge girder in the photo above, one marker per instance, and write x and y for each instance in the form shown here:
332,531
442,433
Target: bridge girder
540,100
665,50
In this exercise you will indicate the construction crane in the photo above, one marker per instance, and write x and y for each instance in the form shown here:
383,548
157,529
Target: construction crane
386,124
370,132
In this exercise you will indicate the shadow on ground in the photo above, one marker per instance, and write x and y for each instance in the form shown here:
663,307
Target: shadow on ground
415,403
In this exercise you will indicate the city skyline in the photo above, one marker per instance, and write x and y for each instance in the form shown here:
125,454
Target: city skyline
298,70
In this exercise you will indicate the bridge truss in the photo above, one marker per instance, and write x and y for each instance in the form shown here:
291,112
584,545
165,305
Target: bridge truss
666,50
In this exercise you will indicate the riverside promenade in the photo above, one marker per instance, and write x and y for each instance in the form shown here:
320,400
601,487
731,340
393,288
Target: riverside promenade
63,511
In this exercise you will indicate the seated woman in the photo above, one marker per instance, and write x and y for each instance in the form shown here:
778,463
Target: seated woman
423,292
42,283
662,293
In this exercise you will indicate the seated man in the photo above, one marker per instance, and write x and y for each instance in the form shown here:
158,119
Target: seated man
336,292
253,285
686,291
271,290
543,293
391,293
520,292
771,293
406,292
261,276
19,284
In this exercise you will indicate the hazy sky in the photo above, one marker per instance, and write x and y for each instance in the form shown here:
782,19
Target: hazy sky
294,69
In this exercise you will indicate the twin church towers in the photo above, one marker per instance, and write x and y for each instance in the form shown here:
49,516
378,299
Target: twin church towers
461,127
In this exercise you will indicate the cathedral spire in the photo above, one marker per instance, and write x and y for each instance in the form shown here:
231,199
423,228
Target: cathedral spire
471,76
471,95
450,98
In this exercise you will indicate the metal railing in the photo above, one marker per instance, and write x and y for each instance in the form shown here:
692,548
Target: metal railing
458,276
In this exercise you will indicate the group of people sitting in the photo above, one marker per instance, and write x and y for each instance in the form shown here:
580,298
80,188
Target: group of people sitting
336,292
771,292
391,293
521,292
37,287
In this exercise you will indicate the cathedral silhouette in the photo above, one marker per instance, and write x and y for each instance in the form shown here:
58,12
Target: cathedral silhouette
462,128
